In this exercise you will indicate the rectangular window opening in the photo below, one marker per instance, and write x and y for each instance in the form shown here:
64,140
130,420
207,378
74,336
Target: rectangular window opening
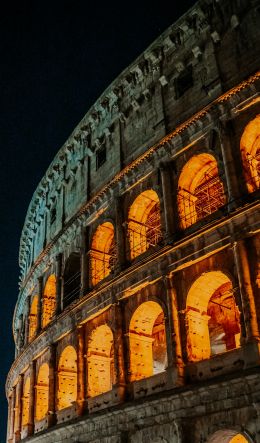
53,215
184,82
101,157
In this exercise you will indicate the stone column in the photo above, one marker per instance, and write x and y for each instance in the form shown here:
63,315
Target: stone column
58,283
27,328
52,386
18,409
11,417
174,339
32,398
229,165
84,264
245,284
39,306
120,235
169,215
120,379
81,386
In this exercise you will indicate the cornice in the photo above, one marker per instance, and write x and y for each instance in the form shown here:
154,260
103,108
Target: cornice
106,109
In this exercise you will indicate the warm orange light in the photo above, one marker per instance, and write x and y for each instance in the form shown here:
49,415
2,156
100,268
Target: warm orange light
147,341
212,316
33,318
49,300
102,254
200,190
25,402
100,361
144,223
42,392
239,438
67,378
250,151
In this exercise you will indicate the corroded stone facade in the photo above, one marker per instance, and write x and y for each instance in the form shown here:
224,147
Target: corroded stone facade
138,315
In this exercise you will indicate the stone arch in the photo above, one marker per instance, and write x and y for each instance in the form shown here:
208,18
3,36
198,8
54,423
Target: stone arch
33,318
212,316
26,401
71,278
49,300
42,392
200,190
103,252
229,436
250,153
67,378
147,341
144,222
100,361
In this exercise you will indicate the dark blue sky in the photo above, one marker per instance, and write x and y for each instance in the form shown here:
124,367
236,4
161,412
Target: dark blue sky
57,57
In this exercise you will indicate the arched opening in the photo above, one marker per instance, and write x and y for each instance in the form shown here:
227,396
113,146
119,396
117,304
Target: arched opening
200,190
67,378
33,318
228,436
71,285
250,152
100,361
49,300
102,255
147,341
212,317
26,402
144,223
42,392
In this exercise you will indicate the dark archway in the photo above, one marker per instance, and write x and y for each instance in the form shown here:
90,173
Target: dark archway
71,280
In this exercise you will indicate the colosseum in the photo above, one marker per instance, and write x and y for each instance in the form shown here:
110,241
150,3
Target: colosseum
138,314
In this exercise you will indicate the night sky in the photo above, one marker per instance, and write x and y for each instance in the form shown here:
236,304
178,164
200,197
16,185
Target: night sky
57,57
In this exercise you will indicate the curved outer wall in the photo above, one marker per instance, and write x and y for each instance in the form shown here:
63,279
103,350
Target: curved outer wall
93,251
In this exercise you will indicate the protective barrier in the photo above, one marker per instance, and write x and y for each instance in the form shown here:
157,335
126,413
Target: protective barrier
102,256
200,190
144,223
250,152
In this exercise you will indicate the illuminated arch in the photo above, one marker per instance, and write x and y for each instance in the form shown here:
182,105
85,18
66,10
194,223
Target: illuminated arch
144,223
212,316
42,392
49,300
228,436
200,190
26,402
103,253
100,361
33,318
67,378
250,152
147,341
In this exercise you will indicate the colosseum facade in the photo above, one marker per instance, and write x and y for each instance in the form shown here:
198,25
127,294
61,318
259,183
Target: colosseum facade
138,314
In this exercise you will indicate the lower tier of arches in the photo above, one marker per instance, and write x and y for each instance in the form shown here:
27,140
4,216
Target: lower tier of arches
221,412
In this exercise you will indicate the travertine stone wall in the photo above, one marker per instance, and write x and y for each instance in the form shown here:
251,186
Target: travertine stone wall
182,105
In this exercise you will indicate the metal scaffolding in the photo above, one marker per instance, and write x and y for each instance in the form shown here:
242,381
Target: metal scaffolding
142,236
101,263
207,198
253,169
